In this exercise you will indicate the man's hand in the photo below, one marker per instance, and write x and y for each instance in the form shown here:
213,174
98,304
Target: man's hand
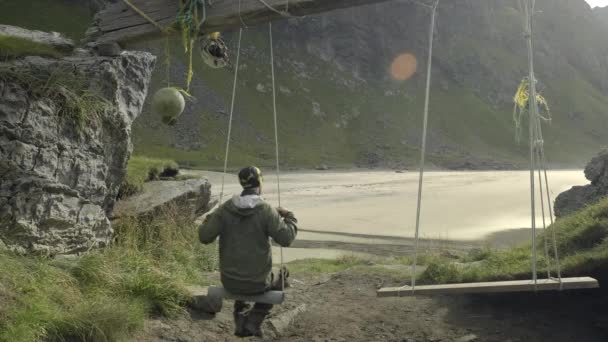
285,213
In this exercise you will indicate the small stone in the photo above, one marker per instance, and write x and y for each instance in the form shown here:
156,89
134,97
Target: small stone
467,338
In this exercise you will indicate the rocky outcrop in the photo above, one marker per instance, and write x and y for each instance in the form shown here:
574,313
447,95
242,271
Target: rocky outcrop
193,194
580,196
65,139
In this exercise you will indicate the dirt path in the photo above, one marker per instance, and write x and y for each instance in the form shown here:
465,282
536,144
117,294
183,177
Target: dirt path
343,307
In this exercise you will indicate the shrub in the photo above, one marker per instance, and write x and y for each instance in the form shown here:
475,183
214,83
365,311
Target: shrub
106,294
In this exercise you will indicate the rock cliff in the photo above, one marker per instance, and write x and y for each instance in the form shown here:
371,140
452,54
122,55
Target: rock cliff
65,139
580,196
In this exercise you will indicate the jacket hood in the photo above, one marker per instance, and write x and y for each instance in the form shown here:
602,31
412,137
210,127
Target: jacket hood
245,205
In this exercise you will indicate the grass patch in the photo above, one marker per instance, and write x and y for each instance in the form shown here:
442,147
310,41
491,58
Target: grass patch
142,169
45,303
327,265
582,242
16,47
107,294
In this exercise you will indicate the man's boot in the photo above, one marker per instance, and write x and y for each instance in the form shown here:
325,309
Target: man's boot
255,318
240,318
281,280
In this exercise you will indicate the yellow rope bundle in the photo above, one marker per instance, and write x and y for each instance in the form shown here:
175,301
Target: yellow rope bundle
521,107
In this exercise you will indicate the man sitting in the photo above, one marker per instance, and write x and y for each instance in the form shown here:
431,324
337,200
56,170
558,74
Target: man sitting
244,225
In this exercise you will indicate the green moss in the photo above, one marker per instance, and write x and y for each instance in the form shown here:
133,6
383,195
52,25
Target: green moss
16,47
327,265
142,169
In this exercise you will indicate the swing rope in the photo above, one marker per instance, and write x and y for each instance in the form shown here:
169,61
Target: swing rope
424,134
543,167
533,109
229,134
537,156
145,16
276,129
276,138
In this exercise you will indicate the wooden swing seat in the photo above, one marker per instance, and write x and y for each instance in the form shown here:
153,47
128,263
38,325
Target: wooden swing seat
270,297
492,287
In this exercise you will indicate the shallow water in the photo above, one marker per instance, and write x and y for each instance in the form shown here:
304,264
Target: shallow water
458,205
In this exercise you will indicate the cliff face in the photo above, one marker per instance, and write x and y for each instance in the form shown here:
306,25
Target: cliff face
65,139
602,14
334,82
478,43
579,197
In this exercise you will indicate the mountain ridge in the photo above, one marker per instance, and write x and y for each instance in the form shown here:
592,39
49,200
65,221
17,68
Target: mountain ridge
374,120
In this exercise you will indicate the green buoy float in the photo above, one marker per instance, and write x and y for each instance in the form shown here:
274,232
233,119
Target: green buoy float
169,103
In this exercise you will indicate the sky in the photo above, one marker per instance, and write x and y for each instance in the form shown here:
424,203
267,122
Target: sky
600,3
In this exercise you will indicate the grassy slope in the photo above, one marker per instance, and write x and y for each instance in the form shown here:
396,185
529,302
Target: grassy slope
582,242
387,126
107,294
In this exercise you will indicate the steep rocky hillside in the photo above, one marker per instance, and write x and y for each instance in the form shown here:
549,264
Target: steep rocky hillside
602,14
339,105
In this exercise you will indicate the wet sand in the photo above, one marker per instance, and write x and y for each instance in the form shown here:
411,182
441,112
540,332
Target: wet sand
370,207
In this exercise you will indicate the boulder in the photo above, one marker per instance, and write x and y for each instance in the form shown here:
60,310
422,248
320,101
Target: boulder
61,166
193,193
580,196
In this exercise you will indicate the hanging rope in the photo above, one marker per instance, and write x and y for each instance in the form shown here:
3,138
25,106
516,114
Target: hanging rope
282,13
228,136
533,109
424,134
145,16
276,139
543,166
545,238
276,129
527,100
190,24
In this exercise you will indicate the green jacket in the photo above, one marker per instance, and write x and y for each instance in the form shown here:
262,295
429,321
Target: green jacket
244,225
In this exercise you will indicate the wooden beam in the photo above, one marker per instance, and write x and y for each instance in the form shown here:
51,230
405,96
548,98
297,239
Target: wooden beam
120,23
491,287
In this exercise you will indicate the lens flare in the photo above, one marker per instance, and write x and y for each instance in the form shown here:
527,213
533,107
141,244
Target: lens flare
404,67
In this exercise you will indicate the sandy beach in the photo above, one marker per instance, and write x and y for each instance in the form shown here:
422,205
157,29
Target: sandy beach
355,208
